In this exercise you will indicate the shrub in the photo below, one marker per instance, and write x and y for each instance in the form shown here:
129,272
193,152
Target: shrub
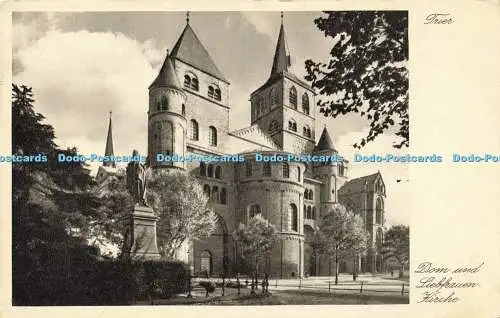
74,277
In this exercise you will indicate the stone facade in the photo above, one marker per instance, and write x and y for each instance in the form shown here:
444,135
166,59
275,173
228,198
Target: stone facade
194,119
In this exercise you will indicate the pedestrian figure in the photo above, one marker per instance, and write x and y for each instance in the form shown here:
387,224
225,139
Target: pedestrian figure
238,282
392,272
223,283
267,282
256,281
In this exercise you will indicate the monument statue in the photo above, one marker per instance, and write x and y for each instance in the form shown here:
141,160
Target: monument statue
137,175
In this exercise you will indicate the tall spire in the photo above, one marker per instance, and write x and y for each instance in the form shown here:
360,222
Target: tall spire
281,62
109,145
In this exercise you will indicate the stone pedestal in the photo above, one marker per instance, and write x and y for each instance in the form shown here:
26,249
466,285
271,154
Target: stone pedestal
140,236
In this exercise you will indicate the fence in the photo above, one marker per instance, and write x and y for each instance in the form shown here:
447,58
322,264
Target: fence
318,284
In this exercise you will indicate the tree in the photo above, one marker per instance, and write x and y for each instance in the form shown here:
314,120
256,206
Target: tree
116,204
366,73
341,233
256,239
180,203
397,245
51,204
48,197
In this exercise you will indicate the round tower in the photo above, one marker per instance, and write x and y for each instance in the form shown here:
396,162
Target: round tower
167,125
332,173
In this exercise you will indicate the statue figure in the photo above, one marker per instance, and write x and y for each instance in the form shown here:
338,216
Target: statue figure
137,174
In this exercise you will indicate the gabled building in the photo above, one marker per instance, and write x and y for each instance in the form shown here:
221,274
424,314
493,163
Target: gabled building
188,113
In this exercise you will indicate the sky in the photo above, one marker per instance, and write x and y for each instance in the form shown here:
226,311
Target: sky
82,65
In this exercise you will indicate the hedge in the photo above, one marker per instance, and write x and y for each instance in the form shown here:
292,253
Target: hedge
75,278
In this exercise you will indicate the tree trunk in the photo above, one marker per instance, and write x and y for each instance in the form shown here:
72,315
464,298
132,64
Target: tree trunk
336,269
354,269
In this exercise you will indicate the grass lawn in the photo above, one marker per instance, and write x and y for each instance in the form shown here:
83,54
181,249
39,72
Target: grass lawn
293,297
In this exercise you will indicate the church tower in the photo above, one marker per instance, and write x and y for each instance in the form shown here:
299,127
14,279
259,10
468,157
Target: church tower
332,174
284,105
107,168
166,118
109,145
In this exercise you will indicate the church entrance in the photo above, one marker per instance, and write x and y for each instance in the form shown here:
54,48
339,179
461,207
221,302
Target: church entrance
206,262
213,252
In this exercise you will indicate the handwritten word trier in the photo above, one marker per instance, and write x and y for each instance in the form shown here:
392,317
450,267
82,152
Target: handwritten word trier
439,18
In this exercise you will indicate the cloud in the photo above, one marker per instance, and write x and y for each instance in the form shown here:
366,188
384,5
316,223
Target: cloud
77,77
263,22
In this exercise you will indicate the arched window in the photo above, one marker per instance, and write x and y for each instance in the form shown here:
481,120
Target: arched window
298,174
273,96
212,136
294,218
305,212
210,171
223,196
210,92
306,131
203,169
158,105
183,110
274,125
314,213
266,169
217,94
191,82
206,262
248,169
379,210
309,215
293,97
218,172
292,125
194,84
341,169
306,194
379,239
253,211
311,195
187,81
286,170
215,194
206,190
193,130
164,103
305,103
259,107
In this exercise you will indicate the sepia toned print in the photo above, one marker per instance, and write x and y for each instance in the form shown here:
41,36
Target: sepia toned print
201,217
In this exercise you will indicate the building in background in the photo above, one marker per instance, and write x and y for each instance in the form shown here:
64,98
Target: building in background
189,114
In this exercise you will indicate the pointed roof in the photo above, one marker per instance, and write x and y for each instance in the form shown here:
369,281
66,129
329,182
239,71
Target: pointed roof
190,50
325,142
281,61
109,145
359,184
167,76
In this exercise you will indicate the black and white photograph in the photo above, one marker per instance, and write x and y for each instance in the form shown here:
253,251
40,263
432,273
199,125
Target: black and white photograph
210,158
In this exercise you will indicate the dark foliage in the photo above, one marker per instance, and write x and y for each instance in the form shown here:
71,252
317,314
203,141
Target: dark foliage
51,265
76,277
366,73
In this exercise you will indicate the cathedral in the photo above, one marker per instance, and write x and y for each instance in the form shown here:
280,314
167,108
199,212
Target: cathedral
188,114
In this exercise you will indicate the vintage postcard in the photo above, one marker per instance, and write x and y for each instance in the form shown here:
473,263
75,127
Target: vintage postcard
285,157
